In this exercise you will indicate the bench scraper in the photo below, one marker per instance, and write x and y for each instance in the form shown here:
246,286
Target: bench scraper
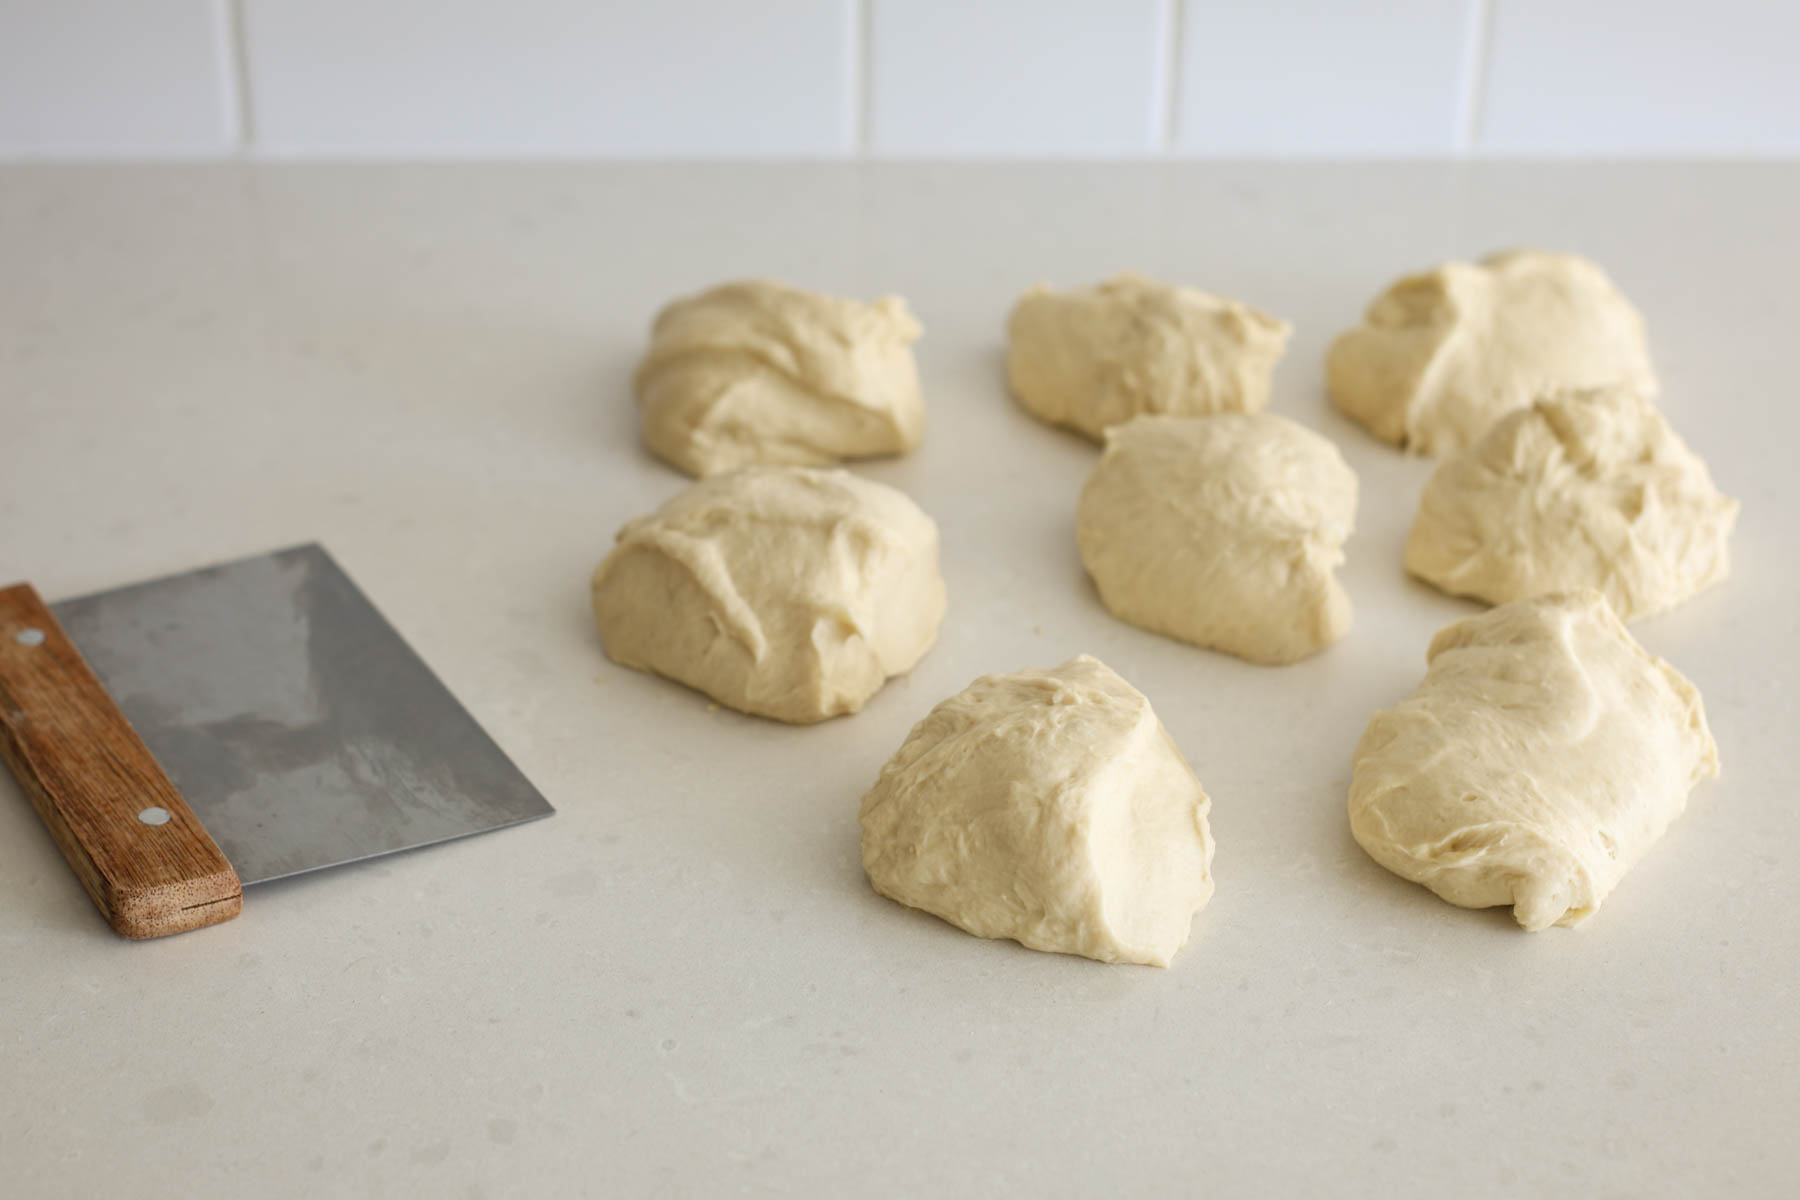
239,723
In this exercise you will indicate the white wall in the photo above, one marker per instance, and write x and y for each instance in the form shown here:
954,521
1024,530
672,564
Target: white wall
897,78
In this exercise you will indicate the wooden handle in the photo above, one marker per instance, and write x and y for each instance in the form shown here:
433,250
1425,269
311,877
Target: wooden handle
133,842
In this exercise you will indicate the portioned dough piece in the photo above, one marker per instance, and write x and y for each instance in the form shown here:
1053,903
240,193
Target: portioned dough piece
1098,356
1541,756
1586,489
762,373
788,592
1222,531
1050,807
1441,356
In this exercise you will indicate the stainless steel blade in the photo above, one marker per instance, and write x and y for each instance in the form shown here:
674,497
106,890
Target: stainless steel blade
300,727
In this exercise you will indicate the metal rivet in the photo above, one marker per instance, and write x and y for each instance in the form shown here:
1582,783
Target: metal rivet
154,816
29,637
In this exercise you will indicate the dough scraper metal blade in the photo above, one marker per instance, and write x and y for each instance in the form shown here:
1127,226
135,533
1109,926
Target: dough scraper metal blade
300,728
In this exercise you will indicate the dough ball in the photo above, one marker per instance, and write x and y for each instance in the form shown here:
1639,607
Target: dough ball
1441,356
1587,489
1050,807
788,592
1101,355
1541,756
760,373
1221,531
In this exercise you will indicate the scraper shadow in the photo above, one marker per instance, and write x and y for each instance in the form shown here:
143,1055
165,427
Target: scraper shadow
39,893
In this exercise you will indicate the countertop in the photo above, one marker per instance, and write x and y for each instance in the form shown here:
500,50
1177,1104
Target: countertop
682,984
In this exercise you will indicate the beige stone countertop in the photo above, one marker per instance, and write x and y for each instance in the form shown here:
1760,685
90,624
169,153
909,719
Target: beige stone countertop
681,984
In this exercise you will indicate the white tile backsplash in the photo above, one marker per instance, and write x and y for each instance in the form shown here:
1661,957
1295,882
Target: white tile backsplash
1622,77
897,78
1014,77
550,77
113,78
1322,78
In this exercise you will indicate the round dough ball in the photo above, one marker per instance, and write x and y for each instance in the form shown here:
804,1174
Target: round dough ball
760,373
1050,807
1542,755
1443,355
1222,531
788,592
1587,489
1098,356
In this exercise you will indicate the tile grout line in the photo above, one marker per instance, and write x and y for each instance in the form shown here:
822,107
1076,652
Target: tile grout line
1170,26
234,69
1472,101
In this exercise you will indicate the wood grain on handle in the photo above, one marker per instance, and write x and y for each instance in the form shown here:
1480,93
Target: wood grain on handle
89,775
